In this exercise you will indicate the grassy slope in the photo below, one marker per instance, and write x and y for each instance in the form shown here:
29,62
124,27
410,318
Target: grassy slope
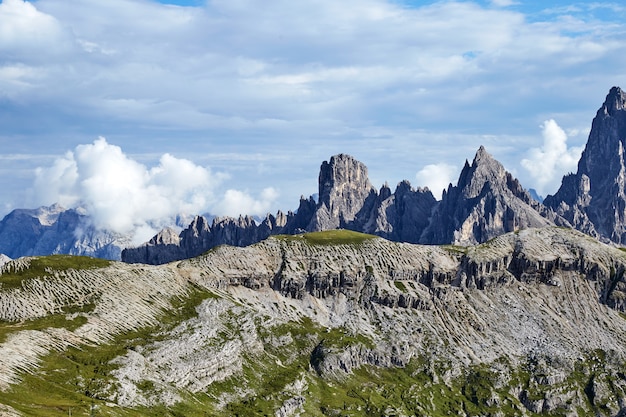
42,266
79,381
331,237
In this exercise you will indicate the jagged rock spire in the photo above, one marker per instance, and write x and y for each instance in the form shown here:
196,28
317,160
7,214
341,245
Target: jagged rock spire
486,202
343,189
594,199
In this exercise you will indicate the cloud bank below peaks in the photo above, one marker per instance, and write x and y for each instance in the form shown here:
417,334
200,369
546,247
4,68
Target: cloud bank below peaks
125,196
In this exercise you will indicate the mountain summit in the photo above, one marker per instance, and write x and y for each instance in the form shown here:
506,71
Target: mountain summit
486,203
344,189
594,199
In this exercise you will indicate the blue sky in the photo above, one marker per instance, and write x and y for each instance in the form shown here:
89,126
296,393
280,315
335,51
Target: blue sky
103,102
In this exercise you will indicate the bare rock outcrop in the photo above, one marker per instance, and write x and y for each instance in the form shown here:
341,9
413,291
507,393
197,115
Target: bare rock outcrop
593,199
344,191
486,202
530,321
56,230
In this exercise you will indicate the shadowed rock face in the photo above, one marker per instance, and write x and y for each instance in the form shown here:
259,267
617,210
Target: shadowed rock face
487,202
594,199
56,230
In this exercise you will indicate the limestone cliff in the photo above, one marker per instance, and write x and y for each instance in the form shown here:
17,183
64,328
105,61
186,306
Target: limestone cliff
323,324
486,202
594,199
344,191
346,200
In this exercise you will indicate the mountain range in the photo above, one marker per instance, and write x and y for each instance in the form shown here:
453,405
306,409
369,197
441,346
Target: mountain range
309,318
486,202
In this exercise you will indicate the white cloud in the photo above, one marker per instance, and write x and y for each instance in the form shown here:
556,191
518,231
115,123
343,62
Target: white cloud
28,34
237,202
547,164
233,77
436,177
123,195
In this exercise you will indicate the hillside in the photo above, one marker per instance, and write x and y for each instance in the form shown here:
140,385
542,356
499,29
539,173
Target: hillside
328,323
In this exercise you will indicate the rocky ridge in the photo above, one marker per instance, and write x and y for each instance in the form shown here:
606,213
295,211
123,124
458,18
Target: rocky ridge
486,203
593,199
534,315
54,229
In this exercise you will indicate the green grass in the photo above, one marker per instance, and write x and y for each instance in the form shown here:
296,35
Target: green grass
59,320
44,266
330,237
400,285
455,249
80,377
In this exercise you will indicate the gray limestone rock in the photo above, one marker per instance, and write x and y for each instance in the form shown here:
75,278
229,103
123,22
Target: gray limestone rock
594,199
344,190
486,202
56,230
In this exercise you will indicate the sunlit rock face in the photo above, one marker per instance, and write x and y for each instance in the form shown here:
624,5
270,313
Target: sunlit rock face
486,202
593,199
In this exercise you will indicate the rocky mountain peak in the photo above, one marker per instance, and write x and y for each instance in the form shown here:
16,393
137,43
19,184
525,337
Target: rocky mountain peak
615,101
484,170
594,199
487,202
167,236
341,177
343,188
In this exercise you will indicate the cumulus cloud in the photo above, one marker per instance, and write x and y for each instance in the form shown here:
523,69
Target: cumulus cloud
228,75
28,34
547,164
123,195
237,202
436,177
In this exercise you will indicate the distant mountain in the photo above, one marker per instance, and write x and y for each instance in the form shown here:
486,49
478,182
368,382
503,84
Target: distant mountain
346,199
486,203
533,193
57,230
593,199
